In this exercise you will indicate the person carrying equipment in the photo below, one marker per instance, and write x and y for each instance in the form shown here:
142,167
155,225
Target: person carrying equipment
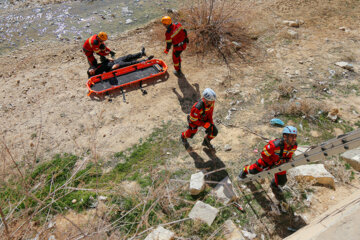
96,44
201,116
275,153
108,65
175,35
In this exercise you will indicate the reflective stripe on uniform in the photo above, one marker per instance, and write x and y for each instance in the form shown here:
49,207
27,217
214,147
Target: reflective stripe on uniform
193,119
169,41
176,64
177,31
266,152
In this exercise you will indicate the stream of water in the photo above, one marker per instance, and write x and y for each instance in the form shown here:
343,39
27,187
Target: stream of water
75,20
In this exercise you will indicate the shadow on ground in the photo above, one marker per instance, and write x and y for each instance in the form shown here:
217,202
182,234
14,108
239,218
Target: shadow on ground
214,169
286,223
190,94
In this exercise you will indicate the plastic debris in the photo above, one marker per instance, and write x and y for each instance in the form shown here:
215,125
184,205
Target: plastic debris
277,122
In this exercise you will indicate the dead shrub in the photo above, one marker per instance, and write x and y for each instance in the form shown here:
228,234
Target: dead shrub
303,107
215,25
287,91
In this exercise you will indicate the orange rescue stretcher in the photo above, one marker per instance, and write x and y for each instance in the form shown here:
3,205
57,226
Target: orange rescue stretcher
124,77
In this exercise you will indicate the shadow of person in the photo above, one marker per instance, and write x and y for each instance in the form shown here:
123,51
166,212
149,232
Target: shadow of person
215,168
286,223
190,94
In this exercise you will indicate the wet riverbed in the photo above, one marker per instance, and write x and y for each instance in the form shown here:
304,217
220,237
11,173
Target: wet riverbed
69,21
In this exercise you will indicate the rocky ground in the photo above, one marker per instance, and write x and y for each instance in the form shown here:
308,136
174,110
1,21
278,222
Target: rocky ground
45,108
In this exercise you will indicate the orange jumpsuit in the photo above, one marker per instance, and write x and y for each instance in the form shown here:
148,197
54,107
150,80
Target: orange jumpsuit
270,156
92,45
176,35
200,115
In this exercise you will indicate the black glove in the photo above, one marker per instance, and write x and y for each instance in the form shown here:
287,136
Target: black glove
112,53
186,40
103,59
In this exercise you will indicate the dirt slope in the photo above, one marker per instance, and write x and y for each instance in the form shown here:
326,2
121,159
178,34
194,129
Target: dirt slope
44,108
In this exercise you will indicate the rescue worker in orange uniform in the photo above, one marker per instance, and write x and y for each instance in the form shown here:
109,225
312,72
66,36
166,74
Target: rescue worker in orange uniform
96,44
275,153
201,115
175,35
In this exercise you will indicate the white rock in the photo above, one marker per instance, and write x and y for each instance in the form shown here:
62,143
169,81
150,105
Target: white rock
292,23
227,148
52,237
128,21
74,201
293,34
270,50
203,212
353,158
102,198
249,235
345,65
197,183
224,191
160,233
311,172
231,232
51,224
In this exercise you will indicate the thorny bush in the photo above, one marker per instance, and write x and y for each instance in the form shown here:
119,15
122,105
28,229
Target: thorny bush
214,25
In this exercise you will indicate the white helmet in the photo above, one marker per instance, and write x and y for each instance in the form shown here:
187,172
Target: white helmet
209,94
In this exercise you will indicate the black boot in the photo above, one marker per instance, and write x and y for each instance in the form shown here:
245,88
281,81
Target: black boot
150,57
242,174
207,143
279,195
143,53
178,73
185,142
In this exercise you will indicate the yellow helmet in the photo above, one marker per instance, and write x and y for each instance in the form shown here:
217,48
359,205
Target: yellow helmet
102,36
166,20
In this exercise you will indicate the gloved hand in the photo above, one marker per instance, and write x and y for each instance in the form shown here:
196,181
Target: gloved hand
166,51
112,54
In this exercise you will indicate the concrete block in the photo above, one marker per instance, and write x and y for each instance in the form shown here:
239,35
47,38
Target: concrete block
203,212
353,158
160,233
231,231
224,191
197,183
311,172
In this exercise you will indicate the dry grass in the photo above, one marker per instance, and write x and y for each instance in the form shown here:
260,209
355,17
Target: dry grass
286,91
303,107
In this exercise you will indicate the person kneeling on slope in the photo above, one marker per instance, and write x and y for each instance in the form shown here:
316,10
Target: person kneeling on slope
201,115
275,153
